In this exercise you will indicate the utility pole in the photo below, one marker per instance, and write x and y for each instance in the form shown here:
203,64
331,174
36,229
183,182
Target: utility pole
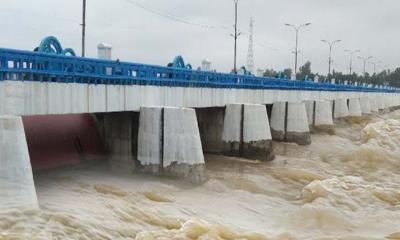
330,53
250,53
235,36
83,27
351,58
296,52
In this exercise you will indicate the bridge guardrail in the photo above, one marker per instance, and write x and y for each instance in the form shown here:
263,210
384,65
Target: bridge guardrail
43,67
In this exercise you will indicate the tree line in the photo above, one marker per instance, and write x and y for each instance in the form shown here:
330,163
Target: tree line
385,77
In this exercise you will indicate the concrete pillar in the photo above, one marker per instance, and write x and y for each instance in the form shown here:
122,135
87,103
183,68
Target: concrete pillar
289,123
354,107
246,132
169,143
381,103
373,104
16,178
319,115
340,108
388,103
365,105
119,131
211,124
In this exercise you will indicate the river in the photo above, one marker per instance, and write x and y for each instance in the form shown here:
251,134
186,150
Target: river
342,186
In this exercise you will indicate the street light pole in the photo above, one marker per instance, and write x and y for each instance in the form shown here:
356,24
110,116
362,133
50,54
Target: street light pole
376,64
83,27
330,53
365,59
296,53
235,36
351,58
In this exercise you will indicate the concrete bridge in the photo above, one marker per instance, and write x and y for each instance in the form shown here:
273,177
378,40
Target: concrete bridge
160,120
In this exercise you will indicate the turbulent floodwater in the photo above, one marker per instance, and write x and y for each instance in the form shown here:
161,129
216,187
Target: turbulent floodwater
342,186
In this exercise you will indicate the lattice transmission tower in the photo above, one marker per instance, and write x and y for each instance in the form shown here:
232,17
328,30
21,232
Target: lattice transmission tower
250,53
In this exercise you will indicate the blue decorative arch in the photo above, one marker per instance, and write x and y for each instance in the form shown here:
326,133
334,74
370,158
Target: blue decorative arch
180,63
69,51
51,45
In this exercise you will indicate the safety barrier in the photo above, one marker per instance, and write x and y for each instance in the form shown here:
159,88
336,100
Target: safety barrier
46,67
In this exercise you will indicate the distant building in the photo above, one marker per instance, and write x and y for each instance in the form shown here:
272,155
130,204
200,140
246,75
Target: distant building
206,65
260,72
104,51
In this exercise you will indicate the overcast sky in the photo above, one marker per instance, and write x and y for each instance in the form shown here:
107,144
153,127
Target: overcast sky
140,35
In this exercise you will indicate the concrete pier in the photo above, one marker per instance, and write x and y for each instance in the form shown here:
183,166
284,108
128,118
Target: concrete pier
289,123
340,108
354,107
373,104
169,143
381,104
119,132
365,106
319,114
16,179
246,132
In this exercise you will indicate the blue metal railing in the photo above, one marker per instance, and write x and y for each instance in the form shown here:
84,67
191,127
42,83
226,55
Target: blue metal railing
43,67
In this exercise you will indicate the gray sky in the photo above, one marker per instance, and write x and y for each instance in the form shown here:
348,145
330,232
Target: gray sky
138,35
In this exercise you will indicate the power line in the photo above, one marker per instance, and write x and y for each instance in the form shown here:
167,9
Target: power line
173,17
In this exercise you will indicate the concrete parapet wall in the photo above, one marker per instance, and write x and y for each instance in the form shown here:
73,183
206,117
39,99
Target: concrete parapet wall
169,143
246,132
38,98
16,178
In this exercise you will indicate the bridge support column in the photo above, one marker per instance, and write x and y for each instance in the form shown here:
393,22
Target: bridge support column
119,131
319,115
340,108
246,132
381,104
365,105
169,143
289,123
16,178
374,104
354,108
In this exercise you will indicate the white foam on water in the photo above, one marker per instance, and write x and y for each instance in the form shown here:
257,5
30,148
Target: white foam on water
343,186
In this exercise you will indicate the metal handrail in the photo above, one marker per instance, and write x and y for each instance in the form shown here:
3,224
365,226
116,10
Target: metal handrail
44,67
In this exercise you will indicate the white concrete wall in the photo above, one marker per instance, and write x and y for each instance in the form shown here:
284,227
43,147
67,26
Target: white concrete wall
278,116
310,111
381,103
232,122
374,104
16,178
341,108
323,113
297,121
355,107
149,149
32,98
182,143
255,123
365,105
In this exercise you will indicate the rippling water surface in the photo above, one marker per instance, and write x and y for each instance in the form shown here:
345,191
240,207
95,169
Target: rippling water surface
342,186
